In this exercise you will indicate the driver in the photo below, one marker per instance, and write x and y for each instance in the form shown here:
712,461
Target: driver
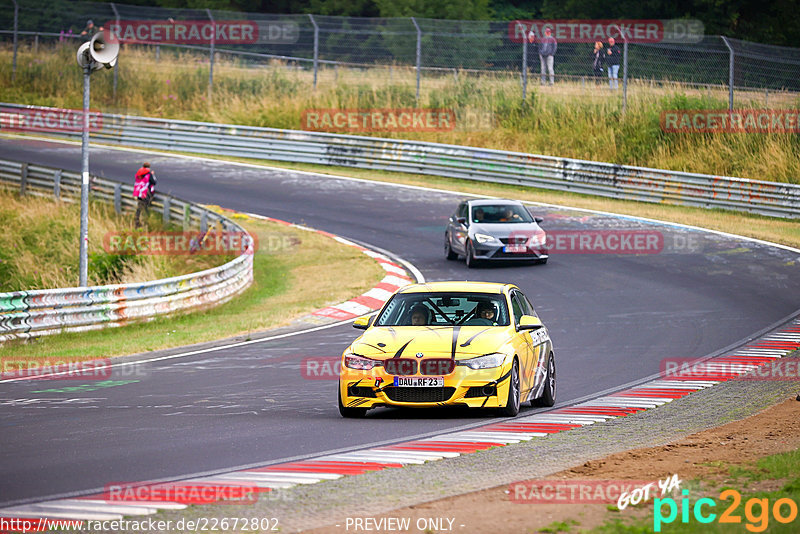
485,314
419,315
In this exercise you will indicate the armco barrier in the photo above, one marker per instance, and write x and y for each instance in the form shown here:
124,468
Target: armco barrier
25,314
577,176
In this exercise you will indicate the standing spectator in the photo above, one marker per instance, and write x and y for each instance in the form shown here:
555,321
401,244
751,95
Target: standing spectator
597,64
90,29
143,190
547,49
612,60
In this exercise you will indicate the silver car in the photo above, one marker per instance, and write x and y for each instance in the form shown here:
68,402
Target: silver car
482,230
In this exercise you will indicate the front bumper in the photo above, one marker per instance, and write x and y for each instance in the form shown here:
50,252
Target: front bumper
475,388
495,252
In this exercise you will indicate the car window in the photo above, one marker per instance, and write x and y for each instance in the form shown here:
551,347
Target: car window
500,214
443,309
531,310
462,210
517,307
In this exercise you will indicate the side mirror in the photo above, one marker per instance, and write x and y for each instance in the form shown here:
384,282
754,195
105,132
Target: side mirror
538,220
362,323
461,220
529,322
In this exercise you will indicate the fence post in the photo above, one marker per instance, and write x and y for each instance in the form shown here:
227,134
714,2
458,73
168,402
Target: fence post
158,53
211,64
23,179
36,43
624,75
524,66
116,63
730,72
57,184
16,25
316,48
419,53
118,198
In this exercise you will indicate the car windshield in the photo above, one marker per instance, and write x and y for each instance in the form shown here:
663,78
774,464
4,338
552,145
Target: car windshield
445,309
500,213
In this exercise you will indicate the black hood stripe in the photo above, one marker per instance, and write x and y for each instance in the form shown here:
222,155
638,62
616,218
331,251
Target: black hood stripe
454,349
467,342
400,352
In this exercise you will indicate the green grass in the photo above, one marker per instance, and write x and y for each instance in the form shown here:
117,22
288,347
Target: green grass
42,250
280,292
570,119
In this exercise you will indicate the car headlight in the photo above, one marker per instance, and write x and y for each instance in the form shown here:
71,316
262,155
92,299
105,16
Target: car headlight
354,361
484,238
486,361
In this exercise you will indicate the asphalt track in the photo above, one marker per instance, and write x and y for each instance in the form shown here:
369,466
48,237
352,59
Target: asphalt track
613,319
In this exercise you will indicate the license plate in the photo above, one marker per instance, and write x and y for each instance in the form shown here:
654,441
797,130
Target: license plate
419,381
515,249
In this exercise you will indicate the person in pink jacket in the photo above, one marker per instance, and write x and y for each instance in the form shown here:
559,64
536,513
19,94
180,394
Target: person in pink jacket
143,190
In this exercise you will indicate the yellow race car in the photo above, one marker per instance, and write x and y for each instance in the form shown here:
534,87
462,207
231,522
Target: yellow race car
475,344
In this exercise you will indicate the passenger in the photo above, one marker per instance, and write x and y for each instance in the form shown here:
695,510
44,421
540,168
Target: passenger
419,315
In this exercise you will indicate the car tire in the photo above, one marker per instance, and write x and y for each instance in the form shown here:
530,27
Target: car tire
350,413
448,252
548,397
512,402
470,256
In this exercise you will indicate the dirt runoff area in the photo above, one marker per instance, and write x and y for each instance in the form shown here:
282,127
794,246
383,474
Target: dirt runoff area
705,456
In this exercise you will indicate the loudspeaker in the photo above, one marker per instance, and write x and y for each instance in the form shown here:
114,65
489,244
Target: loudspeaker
104,49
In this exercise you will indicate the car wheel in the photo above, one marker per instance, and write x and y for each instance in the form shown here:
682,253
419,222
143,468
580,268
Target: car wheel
448,252
512,402
548,397
344,411
470,256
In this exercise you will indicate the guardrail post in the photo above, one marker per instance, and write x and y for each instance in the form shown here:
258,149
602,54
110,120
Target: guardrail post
419,53
23,179
57,184
118,198
204,222
16,24
187,217
316,48
166,212
158,53
730,72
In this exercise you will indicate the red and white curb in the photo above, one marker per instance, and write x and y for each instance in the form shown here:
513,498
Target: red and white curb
396,277
764,350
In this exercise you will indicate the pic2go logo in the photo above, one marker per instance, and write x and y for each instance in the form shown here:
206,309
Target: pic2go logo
756,511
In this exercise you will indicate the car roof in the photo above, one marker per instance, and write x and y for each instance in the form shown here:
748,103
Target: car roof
493,202
457,287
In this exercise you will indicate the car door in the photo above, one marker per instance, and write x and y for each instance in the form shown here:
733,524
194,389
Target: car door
525,349
540,340
457,231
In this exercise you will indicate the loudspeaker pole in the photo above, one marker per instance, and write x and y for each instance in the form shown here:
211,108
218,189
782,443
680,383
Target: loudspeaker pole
84,261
